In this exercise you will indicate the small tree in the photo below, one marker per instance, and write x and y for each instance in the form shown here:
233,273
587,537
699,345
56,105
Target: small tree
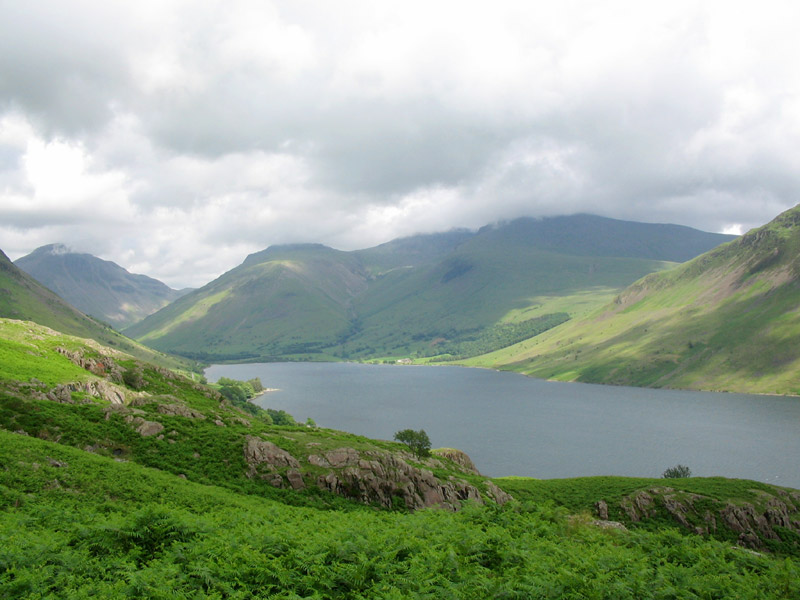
417,441
677,472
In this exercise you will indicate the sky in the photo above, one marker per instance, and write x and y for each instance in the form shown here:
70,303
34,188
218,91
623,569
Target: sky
175,137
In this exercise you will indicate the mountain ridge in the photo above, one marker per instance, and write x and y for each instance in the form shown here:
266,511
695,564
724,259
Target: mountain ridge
309,301
23,298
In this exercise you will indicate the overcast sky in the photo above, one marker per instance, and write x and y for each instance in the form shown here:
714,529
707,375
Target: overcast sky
174,137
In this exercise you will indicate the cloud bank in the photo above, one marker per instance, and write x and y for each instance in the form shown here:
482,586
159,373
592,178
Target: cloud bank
175,137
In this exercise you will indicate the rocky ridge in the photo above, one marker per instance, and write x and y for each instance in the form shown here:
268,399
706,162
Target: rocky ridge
388,479
754,525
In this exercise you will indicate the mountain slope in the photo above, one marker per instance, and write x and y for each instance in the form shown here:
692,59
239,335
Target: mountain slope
97,287
283,300
415,296
727,320
24,298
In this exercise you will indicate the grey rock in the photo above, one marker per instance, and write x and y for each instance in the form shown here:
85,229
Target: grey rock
180,410
295,479
258,452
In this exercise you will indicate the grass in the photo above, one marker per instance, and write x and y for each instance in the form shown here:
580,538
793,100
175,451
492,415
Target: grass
21,360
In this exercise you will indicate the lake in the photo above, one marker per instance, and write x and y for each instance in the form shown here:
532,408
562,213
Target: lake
510,424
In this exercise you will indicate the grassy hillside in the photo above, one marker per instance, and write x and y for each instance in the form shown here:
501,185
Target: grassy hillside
24,298
417,296
285,300
152,496
62,388
99,288
727,320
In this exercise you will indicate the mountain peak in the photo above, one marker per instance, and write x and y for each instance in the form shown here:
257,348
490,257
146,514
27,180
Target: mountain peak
98,287
53,249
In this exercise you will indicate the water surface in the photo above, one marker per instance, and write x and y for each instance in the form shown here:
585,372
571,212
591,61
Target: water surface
510,424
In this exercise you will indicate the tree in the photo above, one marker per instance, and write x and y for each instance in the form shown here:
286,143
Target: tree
256,384
677,472
417,441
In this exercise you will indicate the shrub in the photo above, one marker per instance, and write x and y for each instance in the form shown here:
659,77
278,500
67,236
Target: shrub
677,472
134,379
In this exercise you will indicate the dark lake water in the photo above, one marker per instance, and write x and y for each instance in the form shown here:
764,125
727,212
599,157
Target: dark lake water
514,425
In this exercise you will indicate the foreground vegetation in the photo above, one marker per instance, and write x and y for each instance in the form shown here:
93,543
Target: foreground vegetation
78,525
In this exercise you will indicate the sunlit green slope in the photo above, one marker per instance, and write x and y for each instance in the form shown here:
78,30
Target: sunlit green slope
284,300
417,296
727,320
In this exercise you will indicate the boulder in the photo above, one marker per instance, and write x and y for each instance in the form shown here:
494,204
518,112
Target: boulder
176,409
258,452
143,427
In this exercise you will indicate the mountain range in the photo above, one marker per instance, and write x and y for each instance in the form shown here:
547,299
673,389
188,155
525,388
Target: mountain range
97,287
458,293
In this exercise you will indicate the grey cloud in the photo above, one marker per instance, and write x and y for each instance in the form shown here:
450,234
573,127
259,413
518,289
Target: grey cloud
60,65
343,153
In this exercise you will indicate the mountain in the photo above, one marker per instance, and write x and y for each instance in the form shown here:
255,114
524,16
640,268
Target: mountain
24,298
457,293
726,320
97,287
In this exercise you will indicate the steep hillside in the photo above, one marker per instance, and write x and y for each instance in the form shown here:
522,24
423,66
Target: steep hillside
22,297
62,388
727,320
458,293
97,287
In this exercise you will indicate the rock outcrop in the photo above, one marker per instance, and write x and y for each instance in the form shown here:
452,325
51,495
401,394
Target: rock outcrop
458,457
386,479
103,366
754,524
180,410
375,477
96,388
